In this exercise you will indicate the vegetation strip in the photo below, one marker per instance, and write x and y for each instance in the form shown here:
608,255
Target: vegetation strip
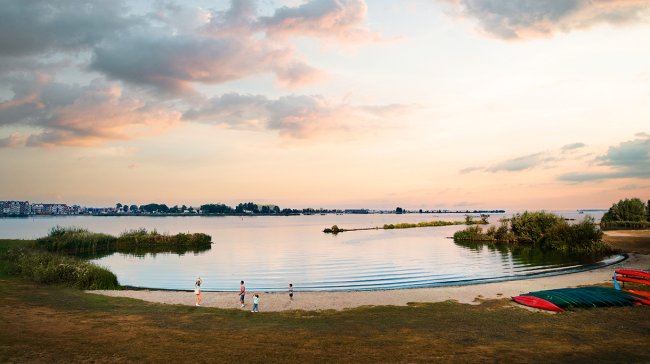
468,221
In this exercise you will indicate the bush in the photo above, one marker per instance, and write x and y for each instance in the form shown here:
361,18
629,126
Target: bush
626,210
50,268
543,230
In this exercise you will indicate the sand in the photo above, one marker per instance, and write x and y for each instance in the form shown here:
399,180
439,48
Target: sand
467,294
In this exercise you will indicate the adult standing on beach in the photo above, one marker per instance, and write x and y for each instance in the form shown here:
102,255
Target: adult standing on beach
290,291
197,290
242,293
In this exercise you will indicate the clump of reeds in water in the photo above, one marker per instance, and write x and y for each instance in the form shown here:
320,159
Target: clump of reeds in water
81,242
75,241
141,241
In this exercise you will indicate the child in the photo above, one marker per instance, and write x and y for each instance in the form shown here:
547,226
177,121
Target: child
256,301
197,290
290,291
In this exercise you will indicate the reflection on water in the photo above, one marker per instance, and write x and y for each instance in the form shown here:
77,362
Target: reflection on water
271,252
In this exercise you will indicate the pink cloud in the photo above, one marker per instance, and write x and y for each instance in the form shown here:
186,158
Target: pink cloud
343,20
299,117
87,115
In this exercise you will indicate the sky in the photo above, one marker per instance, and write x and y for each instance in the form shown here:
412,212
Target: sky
450,104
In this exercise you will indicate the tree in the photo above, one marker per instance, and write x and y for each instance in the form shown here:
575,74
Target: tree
134,208
626,210
399,210
118,206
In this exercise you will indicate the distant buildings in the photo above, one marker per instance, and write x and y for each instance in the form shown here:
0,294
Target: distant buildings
14,208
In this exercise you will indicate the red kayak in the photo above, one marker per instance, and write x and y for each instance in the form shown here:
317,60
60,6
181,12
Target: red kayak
633,273
535,302
632,280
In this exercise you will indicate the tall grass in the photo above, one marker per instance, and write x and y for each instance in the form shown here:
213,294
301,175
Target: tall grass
51,268
81,242
406,225
75,241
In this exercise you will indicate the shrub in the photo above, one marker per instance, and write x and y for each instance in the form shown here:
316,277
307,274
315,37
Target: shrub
626,210
541,229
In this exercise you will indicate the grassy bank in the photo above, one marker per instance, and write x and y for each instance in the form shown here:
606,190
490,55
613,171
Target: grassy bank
20,258
53,324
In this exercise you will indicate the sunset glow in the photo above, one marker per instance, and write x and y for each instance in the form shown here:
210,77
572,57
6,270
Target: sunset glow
447,104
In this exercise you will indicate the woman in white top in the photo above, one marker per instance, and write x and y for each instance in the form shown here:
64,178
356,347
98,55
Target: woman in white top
197,290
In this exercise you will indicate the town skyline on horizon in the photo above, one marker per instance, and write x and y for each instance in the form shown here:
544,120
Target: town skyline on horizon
448,104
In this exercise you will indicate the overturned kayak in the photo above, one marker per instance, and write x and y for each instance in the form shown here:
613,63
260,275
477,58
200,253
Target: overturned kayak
583,297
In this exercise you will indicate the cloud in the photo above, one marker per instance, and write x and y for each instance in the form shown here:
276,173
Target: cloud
174,46
521,19
344,20
470,170
629,159
572,146
12,140
294,116
33,27
82,115
518,164
173,63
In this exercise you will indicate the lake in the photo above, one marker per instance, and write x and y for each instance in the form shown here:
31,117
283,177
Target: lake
269,252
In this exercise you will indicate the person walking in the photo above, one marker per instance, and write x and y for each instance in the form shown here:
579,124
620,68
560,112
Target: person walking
290,291
197,290
242,294
256,302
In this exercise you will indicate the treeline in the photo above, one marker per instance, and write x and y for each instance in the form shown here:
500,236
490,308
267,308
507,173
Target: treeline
540,229
627,214
244,208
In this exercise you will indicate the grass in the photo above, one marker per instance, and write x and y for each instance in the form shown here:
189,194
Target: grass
20,258
54,324
81,242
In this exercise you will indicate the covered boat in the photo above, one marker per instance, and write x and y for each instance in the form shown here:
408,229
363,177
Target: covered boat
585,297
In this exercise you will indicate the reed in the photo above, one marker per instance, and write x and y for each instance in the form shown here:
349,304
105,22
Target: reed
81,242
51,268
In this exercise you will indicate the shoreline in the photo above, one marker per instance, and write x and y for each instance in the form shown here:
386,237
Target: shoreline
343,300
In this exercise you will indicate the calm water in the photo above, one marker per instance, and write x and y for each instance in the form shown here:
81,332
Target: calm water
271,252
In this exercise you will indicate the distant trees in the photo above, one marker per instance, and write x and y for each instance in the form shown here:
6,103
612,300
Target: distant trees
399,210
216,209
154,207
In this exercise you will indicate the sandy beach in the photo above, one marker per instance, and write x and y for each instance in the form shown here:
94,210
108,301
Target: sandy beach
467,294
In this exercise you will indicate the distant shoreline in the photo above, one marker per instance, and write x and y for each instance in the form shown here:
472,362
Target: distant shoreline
262,214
